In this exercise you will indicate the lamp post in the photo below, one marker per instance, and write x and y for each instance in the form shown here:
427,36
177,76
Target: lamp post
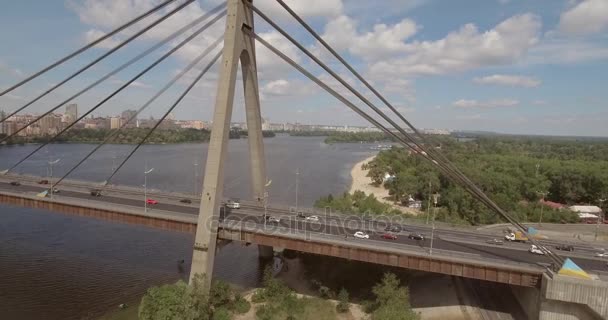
51,163
266,201
542,206
435,199
297,183
146,172
195,177
599,217
428,207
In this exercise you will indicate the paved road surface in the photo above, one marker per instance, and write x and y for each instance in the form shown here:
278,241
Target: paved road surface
469,243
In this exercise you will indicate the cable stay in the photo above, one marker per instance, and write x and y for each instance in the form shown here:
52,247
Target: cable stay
427,153
401,138
98,59
427,140
154,64
120,68
446,169
86,47
144,139
114,133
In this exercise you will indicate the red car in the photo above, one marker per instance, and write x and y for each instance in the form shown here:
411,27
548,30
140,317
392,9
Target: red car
151,201
389,236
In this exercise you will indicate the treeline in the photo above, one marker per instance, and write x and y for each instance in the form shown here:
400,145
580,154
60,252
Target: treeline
133,136
514,172
344,137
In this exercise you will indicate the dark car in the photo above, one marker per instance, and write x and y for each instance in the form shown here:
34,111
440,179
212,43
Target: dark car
564,247
15,183
43,182
393,228
96,193
185,201
495,242
415,236
301,215
389,236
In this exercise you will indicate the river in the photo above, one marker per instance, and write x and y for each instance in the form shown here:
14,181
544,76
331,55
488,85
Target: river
55,266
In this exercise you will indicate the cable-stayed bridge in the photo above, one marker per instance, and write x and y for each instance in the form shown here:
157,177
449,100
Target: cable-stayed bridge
550,276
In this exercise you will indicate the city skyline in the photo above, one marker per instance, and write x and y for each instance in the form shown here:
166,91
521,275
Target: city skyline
509,67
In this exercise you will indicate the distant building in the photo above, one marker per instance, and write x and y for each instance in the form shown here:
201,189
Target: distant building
553,205
71,113
49,125
2,127
127,115
589,214
115,122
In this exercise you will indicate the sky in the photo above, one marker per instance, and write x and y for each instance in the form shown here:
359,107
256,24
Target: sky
510,66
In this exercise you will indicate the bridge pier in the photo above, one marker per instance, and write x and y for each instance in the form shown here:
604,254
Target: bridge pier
564,298
238,46
265,252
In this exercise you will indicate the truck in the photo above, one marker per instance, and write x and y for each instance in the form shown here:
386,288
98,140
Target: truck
516,236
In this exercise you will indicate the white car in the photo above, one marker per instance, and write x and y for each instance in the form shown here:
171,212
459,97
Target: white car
601,254
312,218
272,219
361,235
233,204
534,249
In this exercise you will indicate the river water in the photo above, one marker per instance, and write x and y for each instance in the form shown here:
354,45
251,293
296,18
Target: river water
55,266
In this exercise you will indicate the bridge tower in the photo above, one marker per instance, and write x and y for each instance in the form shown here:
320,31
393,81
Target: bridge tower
237,47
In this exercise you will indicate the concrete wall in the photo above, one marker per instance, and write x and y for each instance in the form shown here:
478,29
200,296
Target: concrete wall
568,298
529,300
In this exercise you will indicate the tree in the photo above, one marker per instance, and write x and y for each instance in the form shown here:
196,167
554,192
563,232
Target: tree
343,304
392,300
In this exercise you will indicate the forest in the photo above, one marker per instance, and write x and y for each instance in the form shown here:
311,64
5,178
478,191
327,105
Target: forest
514,171
134,136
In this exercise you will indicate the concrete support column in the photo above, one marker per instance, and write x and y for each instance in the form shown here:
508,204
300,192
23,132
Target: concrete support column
265,252
237,46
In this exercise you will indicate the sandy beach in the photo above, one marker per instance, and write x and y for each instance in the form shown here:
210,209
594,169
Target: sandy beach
363,183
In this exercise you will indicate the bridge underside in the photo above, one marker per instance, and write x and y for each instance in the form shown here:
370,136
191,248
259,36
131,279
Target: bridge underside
397,258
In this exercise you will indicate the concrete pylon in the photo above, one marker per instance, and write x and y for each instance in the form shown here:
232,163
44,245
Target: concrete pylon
237,46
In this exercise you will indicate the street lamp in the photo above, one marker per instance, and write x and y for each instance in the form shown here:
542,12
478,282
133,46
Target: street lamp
146,172
599,217
195,177
51,163
435,199
297,183
266,200
542,206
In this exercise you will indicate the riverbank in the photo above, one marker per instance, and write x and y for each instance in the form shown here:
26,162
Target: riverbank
361,182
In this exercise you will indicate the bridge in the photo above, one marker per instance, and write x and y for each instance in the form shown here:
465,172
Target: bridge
545,292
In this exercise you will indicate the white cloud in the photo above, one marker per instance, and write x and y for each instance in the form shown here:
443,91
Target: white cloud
588,16
509,80
475,104
555,50
277,87
308,8
382,42
466,49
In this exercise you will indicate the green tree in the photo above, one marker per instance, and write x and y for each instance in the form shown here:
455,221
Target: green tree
392,300
343,304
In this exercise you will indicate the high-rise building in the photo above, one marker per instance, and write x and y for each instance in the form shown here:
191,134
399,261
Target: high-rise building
127,115
71,113
50,124
3,128
115,122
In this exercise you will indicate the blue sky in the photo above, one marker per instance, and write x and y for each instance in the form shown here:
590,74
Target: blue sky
513,66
